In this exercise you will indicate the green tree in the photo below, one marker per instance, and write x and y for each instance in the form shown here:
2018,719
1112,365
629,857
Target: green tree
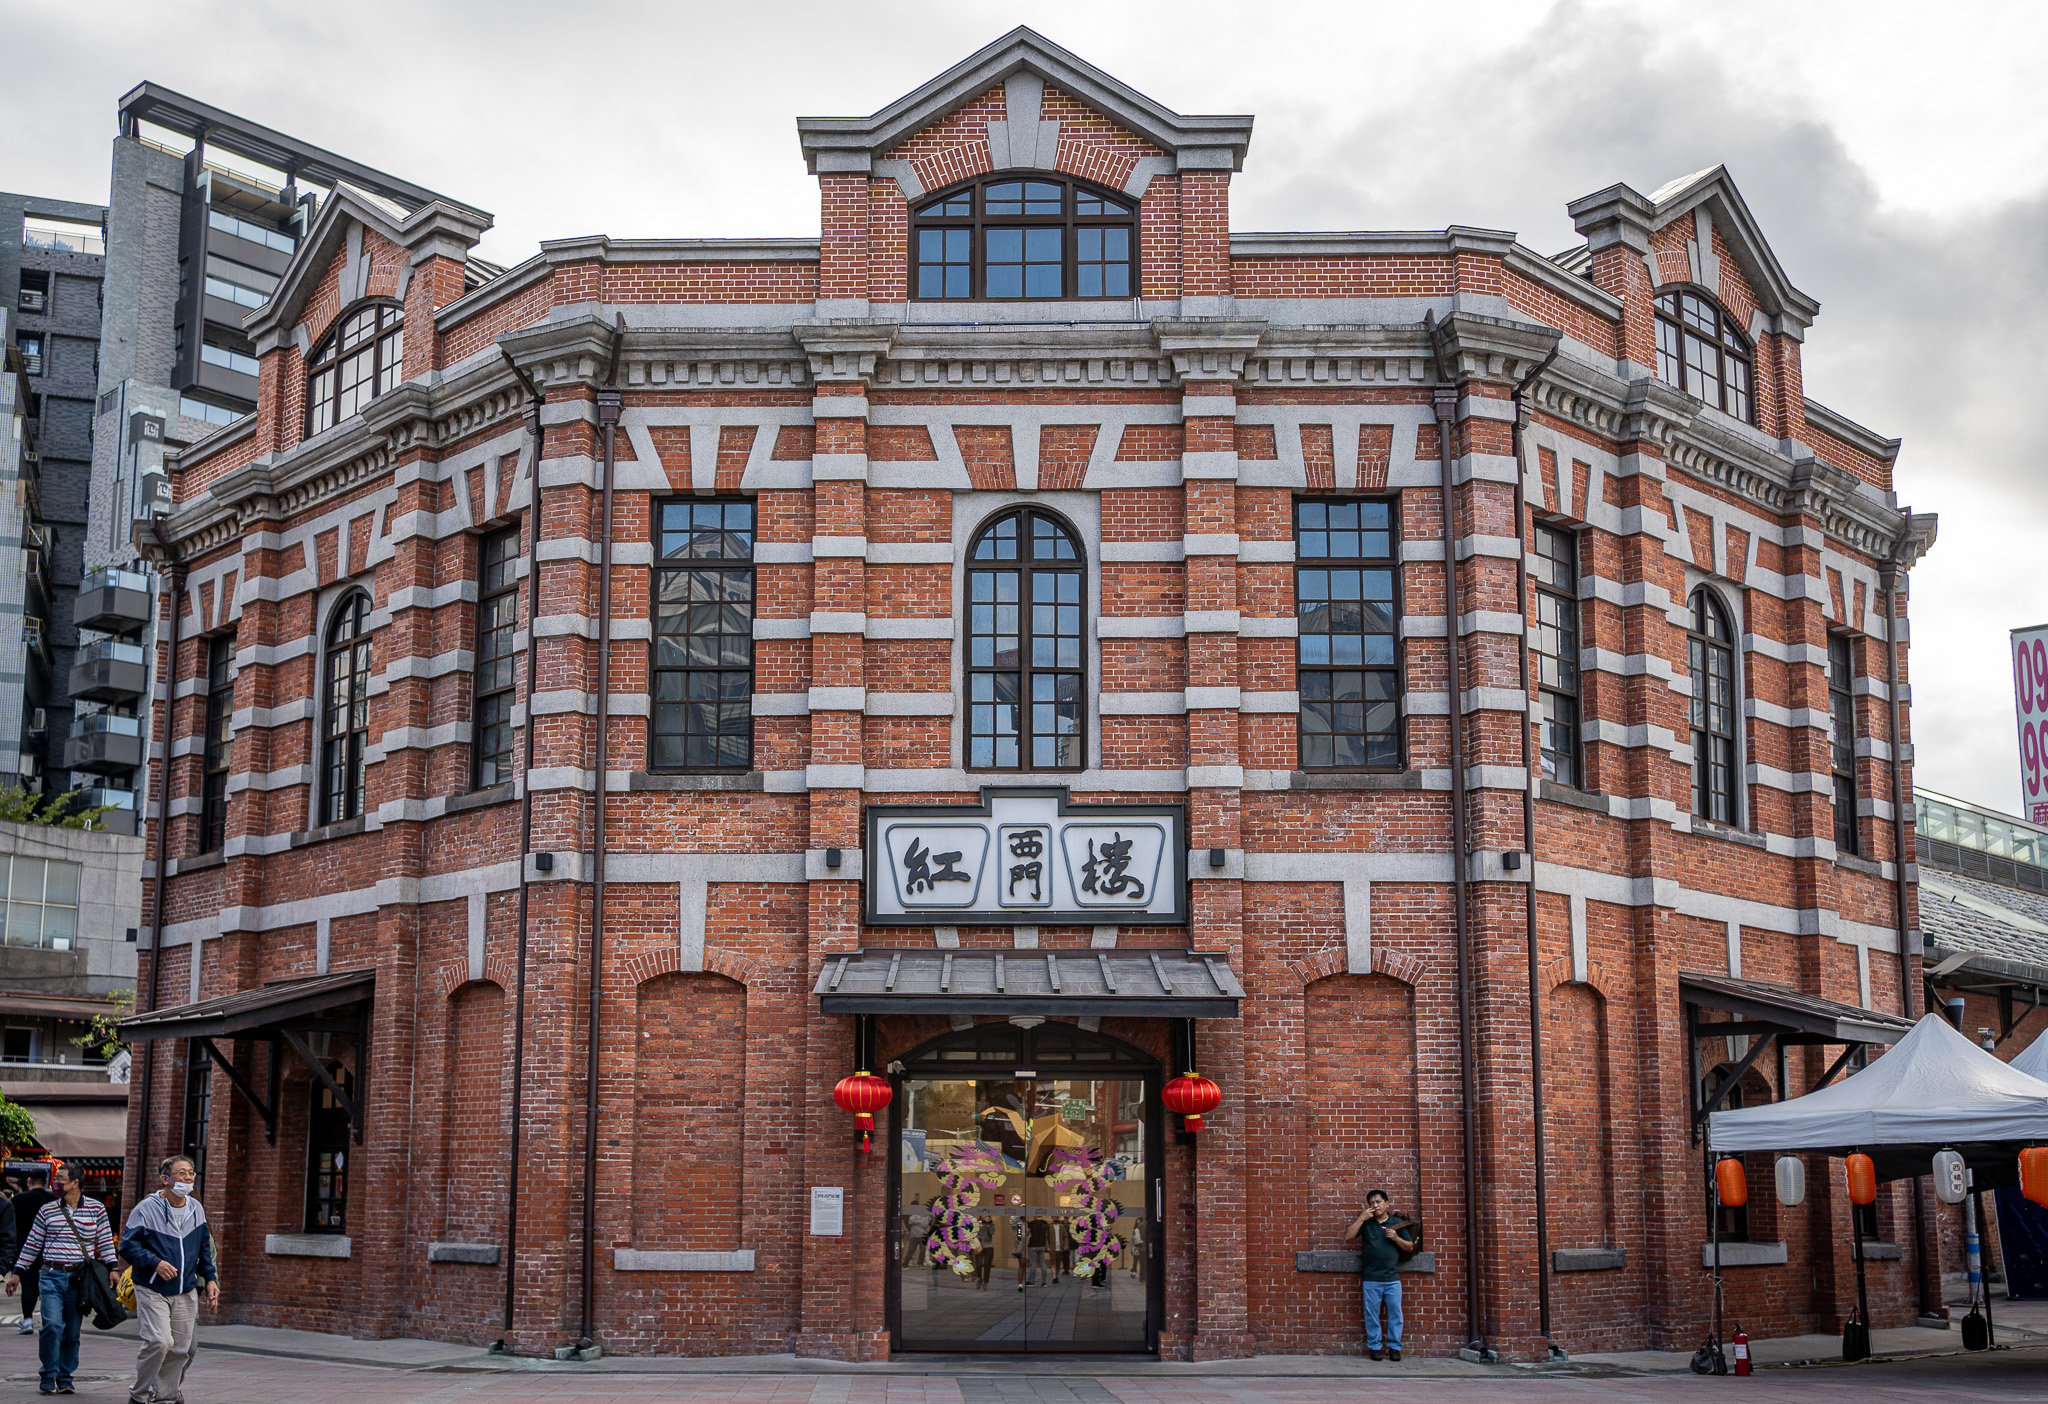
103,1035
18,806
17,1127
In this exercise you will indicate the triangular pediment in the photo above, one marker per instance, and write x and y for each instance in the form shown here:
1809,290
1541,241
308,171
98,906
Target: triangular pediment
453,227
854,143
1711,193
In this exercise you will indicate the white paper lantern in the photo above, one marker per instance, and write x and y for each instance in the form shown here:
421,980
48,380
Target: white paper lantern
1951,1177
1791,1180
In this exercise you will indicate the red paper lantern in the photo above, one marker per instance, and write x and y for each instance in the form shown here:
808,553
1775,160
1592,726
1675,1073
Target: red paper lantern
1193,1097
1862,1179
2034,1174
1731,1183
863,1094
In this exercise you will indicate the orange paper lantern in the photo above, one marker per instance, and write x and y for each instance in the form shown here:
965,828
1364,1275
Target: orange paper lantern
2034,1174
1731,1183
1193,1097
1862,1179
863,1094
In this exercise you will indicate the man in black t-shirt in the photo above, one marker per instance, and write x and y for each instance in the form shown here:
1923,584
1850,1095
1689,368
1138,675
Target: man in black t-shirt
1382,1243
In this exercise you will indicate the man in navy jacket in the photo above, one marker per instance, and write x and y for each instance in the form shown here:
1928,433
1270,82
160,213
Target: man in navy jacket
170,1247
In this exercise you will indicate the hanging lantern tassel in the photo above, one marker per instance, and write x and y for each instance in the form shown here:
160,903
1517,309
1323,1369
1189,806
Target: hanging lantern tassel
2034,1174
1731,1183
1193,1097
863,1094
1951,1177
1862,1179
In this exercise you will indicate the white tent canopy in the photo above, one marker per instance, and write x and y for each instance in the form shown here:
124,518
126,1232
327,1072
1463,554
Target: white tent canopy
2033,1059
1934,1088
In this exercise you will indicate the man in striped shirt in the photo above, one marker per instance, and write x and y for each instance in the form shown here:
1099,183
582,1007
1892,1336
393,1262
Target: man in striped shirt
69,1238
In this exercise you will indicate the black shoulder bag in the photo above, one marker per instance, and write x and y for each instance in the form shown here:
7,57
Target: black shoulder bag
107,1312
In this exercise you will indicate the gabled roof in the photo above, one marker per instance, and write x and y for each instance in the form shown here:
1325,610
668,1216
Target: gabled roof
851,143
455,228
1714,191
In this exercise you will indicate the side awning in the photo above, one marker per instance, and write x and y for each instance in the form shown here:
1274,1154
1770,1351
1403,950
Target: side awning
283,1014
1173,984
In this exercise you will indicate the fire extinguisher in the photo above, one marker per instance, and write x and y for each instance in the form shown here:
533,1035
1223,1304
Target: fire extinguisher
1739,1343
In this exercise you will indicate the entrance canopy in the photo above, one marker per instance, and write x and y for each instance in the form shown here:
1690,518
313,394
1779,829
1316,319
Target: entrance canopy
1173,984
1934,1089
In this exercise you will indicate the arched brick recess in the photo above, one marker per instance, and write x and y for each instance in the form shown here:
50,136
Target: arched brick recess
688,1132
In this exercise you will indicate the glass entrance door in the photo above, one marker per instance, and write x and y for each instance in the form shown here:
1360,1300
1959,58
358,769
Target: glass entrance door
1024,1216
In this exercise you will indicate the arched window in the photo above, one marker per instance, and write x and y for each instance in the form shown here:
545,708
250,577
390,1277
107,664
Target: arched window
345,719
360,359
1024,238
1025,597
1710,650
1700,352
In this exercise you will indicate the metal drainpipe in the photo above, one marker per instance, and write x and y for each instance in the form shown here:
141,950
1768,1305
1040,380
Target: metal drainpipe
163,840
1909,981
1445,402
608,425
534,400
1529,842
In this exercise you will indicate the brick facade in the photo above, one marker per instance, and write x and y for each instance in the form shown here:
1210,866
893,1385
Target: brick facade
873,433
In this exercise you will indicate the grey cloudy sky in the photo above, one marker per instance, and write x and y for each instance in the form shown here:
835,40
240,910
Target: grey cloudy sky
1899,168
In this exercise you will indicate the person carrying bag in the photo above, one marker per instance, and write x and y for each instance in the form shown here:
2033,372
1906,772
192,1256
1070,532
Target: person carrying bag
68,1242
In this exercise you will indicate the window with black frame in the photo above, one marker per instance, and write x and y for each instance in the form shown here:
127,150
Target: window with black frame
1700,352
497,626
359,360
345,718
1024,238
1556,569
703,666
1710,649
1346,662
1025,641
1842,711
220,712
327,1154
198,1104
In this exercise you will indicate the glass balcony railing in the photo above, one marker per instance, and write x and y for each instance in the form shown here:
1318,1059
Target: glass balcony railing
99,795
114,578
110,651
106,724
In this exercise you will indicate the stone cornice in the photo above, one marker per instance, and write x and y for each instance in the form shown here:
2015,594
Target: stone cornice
1493,349
1208,348
1781,485
1581,395
844,349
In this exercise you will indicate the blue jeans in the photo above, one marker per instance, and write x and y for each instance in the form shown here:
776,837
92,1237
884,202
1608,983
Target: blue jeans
1376,1293
59,1294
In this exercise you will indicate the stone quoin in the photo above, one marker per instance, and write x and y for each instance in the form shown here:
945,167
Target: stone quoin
1037,669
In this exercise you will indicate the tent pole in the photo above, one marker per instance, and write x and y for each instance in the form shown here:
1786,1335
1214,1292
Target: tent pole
1862,1294
1977,1218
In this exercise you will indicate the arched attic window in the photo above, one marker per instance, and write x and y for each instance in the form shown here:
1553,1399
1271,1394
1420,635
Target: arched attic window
1026,596
1700,351
359,360
1025,238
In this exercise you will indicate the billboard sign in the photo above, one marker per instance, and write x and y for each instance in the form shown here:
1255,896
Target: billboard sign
2030,700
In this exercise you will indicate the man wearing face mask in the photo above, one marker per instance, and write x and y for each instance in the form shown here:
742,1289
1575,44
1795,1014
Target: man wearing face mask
170,1247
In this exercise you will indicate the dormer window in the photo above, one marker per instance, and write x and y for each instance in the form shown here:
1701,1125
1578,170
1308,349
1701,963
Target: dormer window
1700,352
1024,239
360,359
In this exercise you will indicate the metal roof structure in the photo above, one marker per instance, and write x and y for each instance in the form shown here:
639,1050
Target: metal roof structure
1156,983
262,1008
1801,1017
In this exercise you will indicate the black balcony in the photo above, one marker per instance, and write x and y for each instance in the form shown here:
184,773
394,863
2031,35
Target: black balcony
104,744
112,602
109,672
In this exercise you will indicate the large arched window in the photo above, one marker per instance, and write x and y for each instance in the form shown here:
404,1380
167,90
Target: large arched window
1710,650
345,717
360,359
1025,597
1024,238
1700,352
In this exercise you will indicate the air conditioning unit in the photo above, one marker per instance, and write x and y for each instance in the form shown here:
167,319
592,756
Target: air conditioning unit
32,365
31,561
31,765
38,720
32,301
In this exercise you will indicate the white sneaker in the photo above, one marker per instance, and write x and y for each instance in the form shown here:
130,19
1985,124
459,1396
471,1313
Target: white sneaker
26,1328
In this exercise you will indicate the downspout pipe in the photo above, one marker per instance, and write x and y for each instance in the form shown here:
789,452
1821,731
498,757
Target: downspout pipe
1909,979
534,400
1521,420
1445,401
163,842
608,427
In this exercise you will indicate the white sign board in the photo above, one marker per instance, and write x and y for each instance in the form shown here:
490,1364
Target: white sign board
828,1211
2030,699
1026,857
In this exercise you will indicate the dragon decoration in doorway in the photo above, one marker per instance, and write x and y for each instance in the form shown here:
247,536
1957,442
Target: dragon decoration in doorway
963,1175
1077,1170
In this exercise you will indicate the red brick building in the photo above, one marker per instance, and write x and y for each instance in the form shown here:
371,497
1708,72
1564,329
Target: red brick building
1006,643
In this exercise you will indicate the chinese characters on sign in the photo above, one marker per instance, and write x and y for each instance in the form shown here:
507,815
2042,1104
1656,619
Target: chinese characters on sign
1026,856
